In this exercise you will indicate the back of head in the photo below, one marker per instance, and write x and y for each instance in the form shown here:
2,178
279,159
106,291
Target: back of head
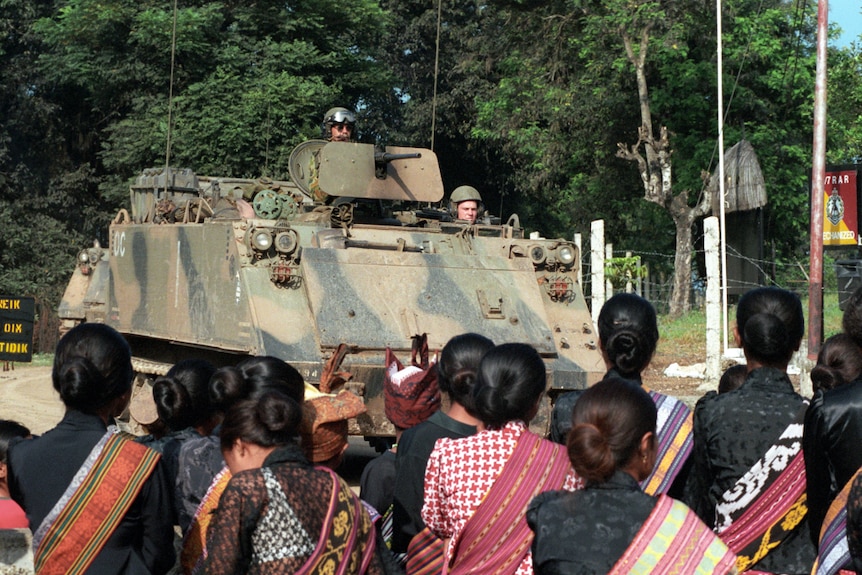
628,332
269,420
459,365
839,362
608,422
9,430
510,381
92,366
253,377
732,378
182,395
770,324
226,387
851,321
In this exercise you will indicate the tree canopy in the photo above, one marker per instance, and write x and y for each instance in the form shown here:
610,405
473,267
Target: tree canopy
527,102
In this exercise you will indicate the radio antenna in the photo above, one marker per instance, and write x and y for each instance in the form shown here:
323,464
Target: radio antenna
171,91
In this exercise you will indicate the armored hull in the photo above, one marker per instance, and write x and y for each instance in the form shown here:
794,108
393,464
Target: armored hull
221,269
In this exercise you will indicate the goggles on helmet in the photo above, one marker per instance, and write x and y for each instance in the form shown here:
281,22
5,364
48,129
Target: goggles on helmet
341,117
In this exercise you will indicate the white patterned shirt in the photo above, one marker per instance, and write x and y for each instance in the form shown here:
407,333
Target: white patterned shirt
459,474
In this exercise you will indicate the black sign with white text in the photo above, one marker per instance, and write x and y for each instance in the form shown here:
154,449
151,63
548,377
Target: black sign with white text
16,328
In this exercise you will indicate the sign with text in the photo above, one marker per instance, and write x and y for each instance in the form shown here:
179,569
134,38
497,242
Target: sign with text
16,328
840,216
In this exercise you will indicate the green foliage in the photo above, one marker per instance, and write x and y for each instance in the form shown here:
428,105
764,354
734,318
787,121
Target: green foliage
530,102
622,270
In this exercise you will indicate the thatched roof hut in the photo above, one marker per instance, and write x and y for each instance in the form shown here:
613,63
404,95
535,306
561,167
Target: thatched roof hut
743,185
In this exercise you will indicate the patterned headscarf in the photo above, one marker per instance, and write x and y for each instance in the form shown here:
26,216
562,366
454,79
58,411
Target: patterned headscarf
324,422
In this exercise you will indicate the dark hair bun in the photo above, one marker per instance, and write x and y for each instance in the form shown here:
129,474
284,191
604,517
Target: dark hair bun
226,387
590,453
92,366
608,422
825,378
628,332
511,380
767,334
279,414
173,403
80,384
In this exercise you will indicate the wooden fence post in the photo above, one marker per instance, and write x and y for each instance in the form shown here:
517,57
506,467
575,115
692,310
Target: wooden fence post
597,273
609,287
579,242
713,301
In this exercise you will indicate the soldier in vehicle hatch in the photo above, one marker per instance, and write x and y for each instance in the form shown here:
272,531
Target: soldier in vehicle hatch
339,125
465,204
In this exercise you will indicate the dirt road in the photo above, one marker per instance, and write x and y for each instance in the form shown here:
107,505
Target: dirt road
26,395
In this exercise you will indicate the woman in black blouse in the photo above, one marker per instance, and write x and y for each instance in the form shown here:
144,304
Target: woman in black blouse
279,514
733,432
612,445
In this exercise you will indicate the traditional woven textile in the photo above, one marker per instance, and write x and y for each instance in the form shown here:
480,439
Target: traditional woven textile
347,540
768,502
425,554
675,442
833,548
102,490
194,544
411,393
496,539
674,540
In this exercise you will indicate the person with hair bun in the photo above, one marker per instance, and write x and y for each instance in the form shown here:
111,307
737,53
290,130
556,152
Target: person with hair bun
182,404
628,336
456,377
833,430
477,488
612,526
838,363
748,475
95,499
278,513
202,474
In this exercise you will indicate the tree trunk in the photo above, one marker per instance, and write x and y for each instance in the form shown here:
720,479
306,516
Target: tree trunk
656,174
680,300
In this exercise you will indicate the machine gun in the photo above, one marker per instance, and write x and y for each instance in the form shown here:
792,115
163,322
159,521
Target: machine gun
383,158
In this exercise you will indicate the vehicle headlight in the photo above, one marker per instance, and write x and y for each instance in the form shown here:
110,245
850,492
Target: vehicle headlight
538,255
285,242
566,254
261,239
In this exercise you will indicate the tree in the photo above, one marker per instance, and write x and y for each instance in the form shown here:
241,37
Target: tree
652,151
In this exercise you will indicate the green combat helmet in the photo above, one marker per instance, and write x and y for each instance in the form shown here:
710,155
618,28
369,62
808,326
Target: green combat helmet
337,115
463,194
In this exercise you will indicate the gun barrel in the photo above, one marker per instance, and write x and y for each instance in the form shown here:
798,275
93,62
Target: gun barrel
386,157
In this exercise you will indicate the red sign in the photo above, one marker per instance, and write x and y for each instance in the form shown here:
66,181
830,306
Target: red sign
840,218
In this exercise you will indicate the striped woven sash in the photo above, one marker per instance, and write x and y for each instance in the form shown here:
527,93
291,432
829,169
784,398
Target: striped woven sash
674,540
768,502
194,550
833,549
675,442
102,490
425,554
347,540
497,538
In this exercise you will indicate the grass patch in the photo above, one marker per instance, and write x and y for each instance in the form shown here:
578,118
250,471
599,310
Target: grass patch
41,360
685,337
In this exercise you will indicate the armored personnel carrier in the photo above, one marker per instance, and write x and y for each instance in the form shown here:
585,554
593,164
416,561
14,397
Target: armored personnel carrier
222,268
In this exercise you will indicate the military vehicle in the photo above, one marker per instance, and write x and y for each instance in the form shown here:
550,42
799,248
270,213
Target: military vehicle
223,268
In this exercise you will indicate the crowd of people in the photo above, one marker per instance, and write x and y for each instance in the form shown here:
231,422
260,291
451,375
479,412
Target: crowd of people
237,470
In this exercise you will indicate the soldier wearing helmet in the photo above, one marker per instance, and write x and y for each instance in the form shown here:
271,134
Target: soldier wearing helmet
465,203
339,125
